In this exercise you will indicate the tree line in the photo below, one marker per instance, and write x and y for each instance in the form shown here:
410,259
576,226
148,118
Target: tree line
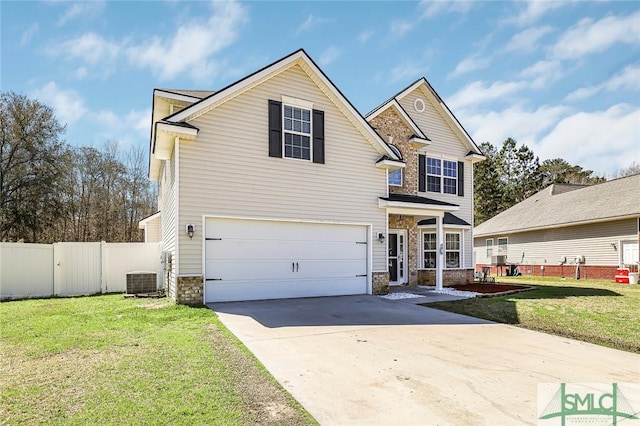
51,191
513,173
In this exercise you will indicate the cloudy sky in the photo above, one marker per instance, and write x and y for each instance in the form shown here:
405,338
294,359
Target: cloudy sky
561,77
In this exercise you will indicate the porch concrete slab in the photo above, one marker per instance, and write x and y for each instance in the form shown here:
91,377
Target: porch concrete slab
366,360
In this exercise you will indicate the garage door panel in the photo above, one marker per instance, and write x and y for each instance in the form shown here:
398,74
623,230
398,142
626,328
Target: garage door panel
283,250
275,230
249,269
257,290
258,259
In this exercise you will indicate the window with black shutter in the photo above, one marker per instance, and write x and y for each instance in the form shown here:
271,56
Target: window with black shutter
296,132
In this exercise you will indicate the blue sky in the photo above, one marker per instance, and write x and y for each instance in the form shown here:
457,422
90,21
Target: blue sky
561,77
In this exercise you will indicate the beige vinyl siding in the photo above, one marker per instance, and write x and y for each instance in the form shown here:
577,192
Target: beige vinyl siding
549,246
446,145
168,208
152,232
227,170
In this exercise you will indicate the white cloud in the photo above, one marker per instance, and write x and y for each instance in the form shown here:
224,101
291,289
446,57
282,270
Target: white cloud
329,55
84,9
311,22
190,48
514,122
433,8
90,48
627,79
364,36
589,36
533,11
543,73
527,40
68,105
603,141
28,34
472,63
480,92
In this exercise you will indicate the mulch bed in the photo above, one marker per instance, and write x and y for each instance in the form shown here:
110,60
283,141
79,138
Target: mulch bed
491,288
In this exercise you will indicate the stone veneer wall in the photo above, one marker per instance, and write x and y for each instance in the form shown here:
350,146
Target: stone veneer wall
380,282
449,276
388,124
409,223
190,291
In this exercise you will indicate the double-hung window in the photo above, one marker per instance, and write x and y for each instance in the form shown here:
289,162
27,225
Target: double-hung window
430,247
502,245
442,176
452,250
489,247
297,132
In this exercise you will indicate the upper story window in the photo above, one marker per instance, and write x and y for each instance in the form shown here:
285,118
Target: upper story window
489,247
395,178
297,132
442,176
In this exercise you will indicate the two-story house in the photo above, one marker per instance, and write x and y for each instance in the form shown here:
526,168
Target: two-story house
277,187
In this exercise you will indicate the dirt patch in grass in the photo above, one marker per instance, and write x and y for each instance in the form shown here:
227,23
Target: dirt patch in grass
267,402
491,288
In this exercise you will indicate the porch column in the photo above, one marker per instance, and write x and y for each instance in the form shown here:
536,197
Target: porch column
440,255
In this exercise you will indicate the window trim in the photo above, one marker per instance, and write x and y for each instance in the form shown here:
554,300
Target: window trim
293,132
401,178
448,230
502,248
442,175
459,251
489,246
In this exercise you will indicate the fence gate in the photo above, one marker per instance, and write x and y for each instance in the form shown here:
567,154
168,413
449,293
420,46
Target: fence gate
77,268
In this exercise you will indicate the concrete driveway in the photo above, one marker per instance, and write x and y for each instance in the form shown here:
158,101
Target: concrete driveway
366,360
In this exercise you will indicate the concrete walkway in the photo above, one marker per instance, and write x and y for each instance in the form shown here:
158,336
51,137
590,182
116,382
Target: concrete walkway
365,360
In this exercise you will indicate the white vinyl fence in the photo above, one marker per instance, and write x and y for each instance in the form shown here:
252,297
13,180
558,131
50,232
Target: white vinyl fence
70,269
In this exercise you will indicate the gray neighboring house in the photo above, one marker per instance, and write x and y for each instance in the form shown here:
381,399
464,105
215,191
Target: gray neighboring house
546,233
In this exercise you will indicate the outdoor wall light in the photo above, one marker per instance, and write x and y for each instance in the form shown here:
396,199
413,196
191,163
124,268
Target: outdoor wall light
381,237
191,228
615,246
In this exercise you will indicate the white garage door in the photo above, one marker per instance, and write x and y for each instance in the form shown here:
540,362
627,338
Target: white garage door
257,259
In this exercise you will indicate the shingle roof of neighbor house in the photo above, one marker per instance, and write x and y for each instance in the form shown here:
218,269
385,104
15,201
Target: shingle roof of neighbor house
564,205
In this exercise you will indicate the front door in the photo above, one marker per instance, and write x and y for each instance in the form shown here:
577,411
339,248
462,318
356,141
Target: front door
397,257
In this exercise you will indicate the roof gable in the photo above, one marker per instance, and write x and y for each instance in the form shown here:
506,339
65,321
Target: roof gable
442,109
301,59
564,205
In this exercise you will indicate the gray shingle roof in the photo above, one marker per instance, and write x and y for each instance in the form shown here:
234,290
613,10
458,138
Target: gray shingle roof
559,205
449,219
406,198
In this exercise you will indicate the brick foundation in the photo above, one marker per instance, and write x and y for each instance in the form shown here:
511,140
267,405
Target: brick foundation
449,276
380,282
597,272
190,291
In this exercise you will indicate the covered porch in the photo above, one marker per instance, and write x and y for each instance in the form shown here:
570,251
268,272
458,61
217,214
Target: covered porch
420,242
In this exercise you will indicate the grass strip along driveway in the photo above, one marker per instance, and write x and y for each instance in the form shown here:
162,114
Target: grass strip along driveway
595,311
110,360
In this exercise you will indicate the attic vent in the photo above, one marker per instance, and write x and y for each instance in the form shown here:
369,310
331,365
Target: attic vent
418,105
142,282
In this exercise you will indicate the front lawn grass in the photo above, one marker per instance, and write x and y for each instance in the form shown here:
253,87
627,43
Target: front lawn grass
596,311
110,360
